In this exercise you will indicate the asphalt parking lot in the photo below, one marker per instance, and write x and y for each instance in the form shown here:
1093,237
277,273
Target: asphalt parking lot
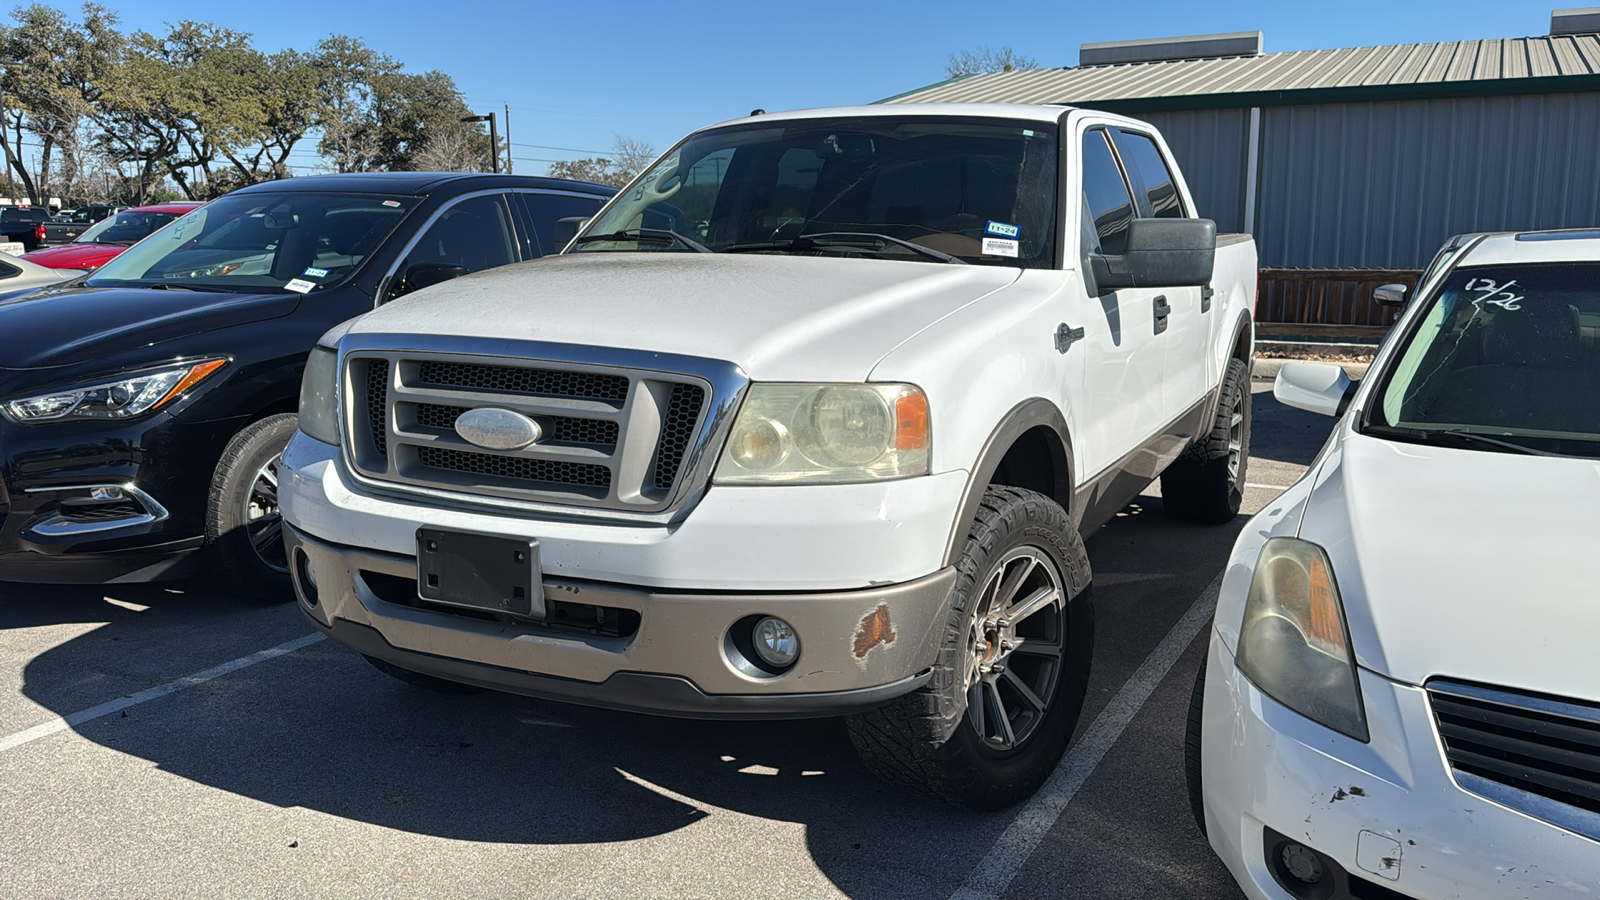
150,748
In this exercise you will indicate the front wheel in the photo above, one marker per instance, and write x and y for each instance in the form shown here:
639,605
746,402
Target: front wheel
1008,684
243,523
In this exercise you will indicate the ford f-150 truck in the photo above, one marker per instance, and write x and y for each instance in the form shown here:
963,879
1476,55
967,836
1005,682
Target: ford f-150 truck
809,420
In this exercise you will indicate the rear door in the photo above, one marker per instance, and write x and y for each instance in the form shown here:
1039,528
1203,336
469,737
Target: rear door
1123,354
1185,380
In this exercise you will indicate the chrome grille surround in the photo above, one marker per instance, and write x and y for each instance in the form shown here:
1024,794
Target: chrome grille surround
613,431
1535,754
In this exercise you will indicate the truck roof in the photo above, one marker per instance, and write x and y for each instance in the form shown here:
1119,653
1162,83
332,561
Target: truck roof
1511,247
1020,111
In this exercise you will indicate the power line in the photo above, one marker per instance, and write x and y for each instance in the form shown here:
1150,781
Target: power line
569,149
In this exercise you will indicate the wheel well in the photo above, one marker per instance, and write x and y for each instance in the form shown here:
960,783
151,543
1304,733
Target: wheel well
287,405
1036,461
1242,343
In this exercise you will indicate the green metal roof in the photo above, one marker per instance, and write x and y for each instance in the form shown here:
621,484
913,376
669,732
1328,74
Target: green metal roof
1556,64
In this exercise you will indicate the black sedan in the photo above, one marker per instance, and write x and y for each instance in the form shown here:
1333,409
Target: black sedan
143,407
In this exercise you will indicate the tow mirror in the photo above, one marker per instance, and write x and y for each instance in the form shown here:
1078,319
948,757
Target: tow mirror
424,275
1390,295
1160,253
1314,387
567,229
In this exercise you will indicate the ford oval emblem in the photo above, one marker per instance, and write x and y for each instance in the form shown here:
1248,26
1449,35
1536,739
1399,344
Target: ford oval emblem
497,429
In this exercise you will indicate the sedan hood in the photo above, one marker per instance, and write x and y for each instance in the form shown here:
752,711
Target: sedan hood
1464,564
67,325
780,318
75,256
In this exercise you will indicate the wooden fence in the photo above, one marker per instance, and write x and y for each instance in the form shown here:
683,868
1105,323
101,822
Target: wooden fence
1327,301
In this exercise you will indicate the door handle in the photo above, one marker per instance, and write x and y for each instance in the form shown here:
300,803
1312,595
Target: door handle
1206,293
1163,309
1066,336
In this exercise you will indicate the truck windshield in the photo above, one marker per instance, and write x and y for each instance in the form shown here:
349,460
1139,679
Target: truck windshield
979,190
1504,359
258,242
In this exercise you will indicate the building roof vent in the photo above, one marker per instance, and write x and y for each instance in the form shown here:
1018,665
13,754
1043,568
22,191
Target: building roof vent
1196,46
1575,21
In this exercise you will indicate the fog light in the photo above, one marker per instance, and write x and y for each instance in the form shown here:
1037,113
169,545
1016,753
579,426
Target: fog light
775,642
1302,863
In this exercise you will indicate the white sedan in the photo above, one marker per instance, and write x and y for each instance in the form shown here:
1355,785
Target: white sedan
1401,697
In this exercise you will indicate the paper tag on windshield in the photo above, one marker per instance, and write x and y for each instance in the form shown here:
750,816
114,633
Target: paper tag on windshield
300,285
999,247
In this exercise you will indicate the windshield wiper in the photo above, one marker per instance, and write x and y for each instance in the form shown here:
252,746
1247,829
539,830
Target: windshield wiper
169,286
1431,436
647,235
865,239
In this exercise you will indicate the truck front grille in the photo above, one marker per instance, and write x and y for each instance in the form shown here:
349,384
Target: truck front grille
612,438
1545,750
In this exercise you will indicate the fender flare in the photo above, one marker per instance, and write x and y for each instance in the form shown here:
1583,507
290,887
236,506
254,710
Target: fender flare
1024,417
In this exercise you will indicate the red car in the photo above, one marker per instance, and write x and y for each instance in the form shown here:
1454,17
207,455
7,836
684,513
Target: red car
110,236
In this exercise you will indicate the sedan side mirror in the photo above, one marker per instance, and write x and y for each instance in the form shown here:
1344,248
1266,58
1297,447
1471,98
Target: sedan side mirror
1314,387
1160,253
1390,295
567,229
424,275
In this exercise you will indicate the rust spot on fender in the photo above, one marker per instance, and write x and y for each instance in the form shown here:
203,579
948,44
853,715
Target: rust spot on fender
873,631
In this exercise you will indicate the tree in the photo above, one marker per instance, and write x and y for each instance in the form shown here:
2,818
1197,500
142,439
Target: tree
628,158
987,59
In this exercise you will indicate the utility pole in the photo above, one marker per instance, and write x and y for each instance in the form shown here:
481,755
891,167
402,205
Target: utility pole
509,167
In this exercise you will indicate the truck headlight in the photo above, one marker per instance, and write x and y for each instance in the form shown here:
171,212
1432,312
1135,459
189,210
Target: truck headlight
1294,644
827,433
123,397
319,396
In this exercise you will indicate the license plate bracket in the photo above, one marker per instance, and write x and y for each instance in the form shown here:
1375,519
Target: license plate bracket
487,572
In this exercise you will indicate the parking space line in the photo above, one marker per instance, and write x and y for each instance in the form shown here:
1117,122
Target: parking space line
1016,844
45,729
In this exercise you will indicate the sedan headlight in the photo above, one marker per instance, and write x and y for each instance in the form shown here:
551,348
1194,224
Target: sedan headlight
1294,644
833,433
319,396
122,398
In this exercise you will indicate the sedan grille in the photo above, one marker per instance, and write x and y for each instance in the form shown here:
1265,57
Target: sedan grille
1546,750
405,405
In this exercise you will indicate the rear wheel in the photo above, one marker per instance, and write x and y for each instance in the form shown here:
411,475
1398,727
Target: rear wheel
1206,483
1009,681
244,524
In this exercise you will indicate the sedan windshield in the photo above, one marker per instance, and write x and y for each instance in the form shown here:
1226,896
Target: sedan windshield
125,228
1506,353
261,242
934,190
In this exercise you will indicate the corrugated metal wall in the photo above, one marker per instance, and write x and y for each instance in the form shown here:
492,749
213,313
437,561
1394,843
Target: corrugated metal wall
1210,149
1383,184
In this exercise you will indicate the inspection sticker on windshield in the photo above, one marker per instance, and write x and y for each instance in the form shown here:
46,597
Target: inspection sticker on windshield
1002,229
300,285
314,272
999,247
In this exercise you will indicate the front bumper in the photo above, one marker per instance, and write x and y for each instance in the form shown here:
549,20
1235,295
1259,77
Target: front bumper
858,649
1388,812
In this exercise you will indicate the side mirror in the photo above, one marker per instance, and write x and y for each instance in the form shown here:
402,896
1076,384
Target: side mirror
1314,387
1390,295
424,275
567,229
1160,253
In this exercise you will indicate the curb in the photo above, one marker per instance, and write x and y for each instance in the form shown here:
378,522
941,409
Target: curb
1267,369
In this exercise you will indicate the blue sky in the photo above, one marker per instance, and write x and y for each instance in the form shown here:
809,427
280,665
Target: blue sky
576,74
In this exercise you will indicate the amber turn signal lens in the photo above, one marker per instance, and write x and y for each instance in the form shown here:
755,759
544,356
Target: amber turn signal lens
911,422
195,376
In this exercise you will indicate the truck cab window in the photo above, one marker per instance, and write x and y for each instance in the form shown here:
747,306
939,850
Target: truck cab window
1106,200
1140,153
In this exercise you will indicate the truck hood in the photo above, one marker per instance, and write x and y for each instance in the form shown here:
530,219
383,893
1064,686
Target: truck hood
63,326
75,256
1465,564
780,318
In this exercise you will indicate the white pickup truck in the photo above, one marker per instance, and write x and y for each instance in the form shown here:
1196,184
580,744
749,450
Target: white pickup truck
808,421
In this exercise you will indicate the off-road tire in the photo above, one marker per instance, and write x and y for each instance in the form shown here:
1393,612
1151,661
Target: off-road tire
921,741
233,565
426,682
1201,486
1191,748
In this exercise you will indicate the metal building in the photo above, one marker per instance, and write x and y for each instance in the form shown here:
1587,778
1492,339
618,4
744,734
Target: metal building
1365,157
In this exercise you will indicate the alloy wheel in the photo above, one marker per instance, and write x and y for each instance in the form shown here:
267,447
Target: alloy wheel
263,521
1015,648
